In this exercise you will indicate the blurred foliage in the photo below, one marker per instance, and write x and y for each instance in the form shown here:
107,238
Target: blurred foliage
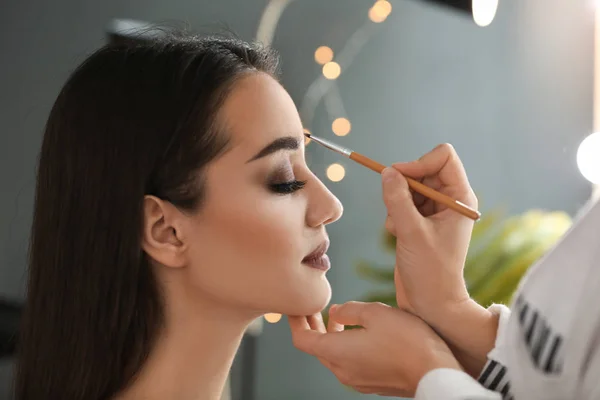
501,251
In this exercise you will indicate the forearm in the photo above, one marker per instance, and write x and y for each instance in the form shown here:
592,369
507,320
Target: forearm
470,332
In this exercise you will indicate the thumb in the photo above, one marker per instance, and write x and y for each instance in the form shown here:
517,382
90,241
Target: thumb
399,201
350,313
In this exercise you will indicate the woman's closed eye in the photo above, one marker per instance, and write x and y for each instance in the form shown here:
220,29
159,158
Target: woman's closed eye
287,187
283,180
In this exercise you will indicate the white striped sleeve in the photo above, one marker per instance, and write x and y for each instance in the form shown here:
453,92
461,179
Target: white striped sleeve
494,376
498,353
451,384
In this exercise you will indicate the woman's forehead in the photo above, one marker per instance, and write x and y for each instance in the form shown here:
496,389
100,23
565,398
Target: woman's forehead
257,112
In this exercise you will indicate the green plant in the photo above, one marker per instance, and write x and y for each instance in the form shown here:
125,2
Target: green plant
501,251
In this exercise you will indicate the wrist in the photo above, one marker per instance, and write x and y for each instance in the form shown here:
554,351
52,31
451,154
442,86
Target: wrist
442,312
469,330
463,319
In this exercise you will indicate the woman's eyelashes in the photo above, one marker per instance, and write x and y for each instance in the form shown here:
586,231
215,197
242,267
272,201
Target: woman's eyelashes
287,187
283,181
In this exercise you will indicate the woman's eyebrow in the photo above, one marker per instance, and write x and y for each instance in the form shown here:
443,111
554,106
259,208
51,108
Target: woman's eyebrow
282,143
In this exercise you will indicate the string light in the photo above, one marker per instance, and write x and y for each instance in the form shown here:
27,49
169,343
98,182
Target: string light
484,11
374,16
306,139
588,159
380,11
384,7
332,70
323,55
273,318
336,172
341,126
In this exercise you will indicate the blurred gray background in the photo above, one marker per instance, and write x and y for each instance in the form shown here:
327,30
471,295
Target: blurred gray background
515,99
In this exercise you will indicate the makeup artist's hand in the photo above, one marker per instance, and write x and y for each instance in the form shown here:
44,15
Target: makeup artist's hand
431,240
388,356
431,247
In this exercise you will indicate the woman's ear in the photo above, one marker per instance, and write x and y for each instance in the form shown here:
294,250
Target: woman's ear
162,235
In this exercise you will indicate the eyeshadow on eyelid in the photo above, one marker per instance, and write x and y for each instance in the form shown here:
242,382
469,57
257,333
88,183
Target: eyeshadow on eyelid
282,173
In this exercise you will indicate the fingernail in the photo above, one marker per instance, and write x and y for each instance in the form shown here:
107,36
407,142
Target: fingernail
388,174
332,307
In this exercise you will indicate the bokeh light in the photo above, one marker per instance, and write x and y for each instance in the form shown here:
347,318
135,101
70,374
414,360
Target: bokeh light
273,318
341,126
588,158
332,70
484,11
380,11
306,140
336,172
323,55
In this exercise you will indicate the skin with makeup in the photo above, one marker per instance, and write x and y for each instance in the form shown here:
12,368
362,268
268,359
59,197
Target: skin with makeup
258,244
174,206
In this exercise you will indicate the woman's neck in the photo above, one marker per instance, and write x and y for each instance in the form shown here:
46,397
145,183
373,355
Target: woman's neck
193,355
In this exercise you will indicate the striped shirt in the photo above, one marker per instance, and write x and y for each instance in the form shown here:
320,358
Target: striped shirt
548,346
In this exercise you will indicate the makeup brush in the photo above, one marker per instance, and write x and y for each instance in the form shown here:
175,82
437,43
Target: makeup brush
413,184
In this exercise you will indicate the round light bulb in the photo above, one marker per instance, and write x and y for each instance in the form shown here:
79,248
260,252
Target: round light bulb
588,158
306,139
272,317
336,172
332,70
341,126
484,11
323,55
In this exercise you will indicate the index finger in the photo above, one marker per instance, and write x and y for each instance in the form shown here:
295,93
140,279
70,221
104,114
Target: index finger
443,165
443,162
304,337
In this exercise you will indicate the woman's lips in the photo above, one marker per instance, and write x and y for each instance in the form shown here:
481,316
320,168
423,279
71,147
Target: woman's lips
322,263
318,258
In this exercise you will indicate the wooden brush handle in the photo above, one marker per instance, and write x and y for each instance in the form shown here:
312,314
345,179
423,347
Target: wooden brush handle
421,188
367,162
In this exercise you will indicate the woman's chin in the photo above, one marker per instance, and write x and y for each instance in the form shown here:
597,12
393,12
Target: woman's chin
312,301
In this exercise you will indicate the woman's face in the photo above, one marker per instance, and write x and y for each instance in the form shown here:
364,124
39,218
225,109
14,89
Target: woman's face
255,241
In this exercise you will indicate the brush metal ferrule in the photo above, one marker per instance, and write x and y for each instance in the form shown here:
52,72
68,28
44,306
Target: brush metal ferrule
332,146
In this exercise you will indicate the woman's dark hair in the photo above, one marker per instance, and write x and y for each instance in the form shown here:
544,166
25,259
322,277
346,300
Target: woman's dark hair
132,120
